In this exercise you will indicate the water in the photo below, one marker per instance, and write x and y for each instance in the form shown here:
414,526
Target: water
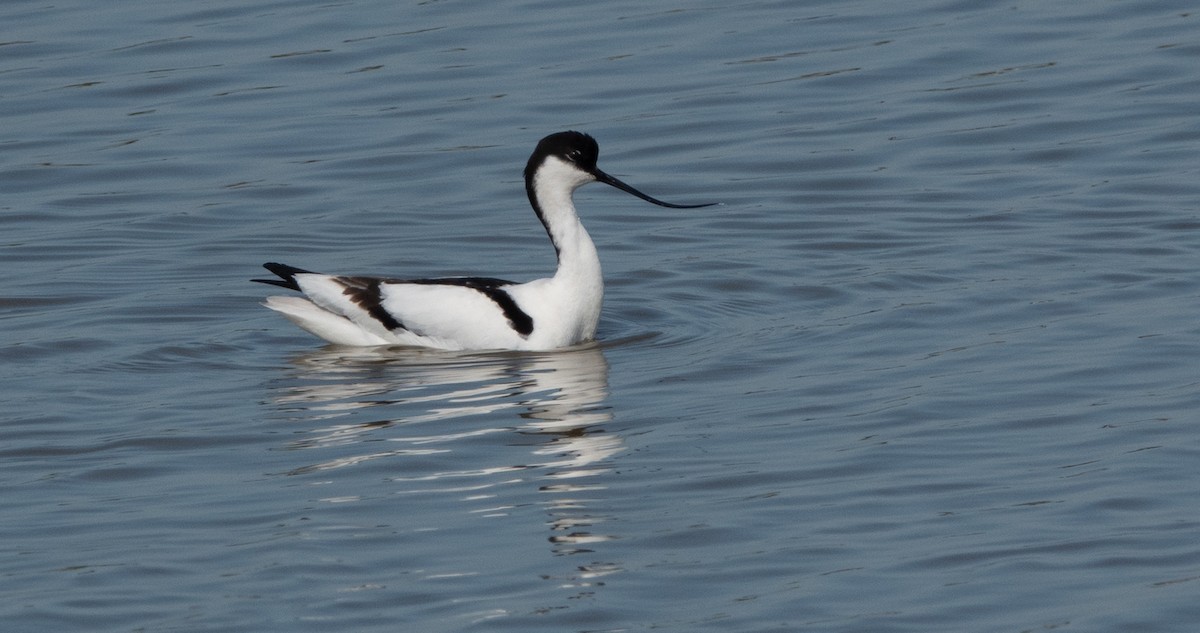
930,367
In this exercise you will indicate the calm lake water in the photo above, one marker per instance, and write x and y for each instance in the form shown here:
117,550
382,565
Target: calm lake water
931,366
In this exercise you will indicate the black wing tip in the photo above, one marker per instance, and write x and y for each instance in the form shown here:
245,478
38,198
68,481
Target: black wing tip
287,276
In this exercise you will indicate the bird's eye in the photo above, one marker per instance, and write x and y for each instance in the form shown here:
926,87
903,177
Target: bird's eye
575,155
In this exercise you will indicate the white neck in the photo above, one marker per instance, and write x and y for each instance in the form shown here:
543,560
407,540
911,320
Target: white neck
553,185
578,283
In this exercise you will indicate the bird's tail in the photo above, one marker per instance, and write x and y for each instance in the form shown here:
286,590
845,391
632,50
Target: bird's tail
287,276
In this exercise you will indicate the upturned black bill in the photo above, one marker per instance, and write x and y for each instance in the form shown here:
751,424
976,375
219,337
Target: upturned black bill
609,180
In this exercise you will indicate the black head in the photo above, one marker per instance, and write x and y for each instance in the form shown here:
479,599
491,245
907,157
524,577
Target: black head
581,150
574,147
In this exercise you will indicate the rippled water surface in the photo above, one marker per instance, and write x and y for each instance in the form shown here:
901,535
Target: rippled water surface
931,366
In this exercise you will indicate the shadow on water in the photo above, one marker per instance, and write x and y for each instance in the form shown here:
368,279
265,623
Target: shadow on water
494,433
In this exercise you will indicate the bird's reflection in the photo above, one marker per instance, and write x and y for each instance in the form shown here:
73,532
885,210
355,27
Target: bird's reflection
550,406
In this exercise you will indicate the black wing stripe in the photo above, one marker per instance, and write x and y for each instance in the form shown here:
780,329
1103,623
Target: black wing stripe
367,294
517,318
493,289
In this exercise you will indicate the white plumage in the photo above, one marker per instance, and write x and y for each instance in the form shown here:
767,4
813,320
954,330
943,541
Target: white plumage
475,313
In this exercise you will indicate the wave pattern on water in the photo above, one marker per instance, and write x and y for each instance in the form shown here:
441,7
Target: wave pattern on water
930,366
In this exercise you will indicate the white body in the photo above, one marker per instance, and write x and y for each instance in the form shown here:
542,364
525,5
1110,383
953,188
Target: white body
476,313
565,308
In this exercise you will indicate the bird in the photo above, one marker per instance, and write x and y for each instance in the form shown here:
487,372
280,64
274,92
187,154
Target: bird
475,313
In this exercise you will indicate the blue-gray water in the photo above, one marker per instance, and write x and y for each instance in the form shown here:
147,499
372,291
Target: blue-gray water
932,365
